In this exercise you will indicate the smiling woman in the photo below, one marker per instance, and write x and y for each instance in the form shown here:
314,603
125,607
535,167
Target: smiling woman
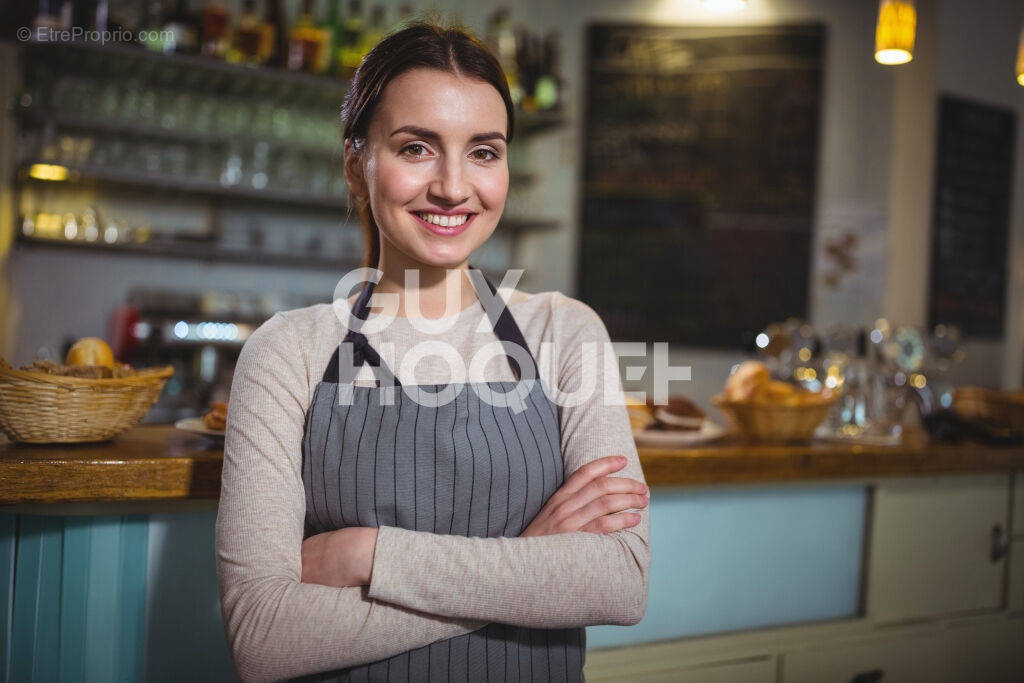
431,533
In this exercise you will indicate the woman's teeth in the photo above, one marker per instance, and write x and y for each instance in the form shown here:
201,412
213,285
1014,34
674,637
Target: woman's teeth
445,221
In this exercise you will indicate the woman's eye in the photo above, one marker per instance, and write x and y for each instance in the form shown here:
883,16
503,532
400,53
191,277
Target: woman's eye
414,146
485,151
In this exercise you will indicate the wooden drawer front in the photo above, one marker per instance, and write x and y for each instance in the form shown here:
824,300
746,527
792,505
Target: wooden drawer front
881,660
930,546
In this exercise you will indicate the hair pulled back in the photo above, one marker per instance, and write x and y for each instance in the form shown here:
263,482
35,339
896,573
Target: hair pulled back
423,43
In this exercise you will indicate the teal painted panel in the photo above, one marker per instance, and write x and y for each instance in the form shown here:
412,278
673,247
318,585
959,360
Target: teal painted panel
132,570
184,631
35,628
103,614
726,559
74,597
8,531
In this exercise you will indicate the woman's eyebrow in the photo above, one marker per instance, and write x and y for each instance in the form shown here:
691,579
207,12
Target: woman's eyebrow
431,135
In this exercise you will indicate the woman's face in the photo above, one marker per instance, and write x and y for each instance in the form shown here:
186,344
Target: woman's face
435,166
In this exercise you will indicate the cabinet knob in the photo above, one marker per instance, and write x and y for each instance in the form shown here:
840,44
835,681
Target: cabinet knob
868,676
1000,543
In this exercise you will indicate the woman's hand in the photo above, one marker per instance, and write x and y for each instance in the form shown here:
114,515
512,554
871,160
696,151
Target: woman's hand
591,501
339,558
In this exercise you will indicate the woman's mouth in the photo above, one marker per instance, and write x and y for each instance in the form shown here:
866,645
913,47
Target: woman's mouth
444,225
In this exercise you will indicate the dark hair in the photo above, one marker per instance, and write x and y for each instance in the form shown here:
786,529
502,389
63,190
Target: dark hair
422,43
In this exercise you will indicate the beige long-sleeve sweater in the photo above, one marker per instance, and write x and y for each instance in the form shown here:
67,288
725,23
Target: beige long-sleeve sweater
424,587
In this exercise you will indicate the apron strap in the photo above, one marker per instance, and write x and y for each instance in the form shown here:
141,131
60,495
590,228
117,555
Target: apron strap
504,324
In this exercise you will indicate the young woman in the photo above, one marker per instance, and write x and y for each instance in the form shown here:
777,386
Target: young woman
384,515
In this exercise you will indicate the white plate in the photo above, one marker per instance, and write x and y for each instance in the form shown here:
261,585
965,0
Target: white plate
197,426
709,431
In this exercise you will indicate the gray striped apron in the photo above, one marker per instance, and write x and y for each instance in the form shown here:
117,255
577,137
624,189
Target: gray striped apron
469,467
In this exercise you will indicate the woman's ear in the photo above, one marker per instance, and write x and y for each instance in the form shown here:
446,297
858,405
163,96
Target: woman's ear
354,170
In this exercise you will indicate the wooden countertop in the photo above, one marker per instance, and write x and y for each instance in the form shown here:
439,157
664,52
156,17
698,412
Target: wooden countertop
161,463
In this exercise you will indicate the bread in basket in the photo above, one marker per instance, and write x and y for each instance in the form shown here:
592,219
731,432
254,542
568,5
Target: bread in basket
39,407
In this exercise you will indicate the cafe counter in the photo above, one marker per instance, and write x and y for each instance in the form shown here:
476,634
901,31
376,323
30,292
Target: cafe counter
161,463
107,557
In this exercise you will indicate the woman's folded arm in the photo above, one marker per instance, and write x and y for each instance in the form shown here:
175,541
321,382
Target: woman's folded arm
276,626
556,581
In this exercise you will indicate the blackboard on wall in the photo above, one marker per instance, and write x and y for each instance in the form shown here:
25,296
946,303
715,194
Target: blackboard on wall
700,161
974,167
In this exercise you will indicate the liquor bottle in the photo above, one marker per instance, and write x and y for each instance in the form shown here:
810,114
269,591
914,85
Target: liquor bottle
548,89
275,38
306,42
248,40
501,38
214,29
181,30
374,32
46,16
348,51
334,32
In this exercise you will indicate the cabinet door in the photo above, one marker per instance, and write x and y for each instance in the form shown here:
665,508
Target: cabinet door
1018,504
931,541
879,660
750,671
1017,577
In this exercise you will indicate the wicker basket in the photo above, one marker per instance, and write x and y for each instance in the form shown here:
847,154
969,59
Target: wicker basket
776,423
999,407
36,407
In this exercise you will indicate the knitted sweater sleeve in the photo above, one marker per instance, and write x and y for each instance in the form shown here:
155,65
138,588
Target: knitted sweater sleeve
276,626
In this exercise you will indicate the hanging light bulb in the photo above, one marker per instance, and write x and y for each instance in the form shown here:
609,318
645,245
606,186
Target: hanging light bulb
1020,59
894,35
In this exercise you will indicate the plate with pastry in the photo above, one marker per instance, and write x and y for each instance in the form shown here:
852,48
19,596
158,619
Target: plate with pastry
679,423
212,423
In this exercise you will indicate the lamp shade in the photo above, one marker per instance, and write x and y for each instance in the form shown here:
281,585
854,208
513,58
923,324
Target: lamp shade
894,35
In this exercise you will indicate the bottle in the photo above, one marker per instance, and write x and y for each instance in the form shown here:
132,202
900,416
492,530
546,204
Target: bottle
180,30
348,51
214,30
46,17
248,40
501,38
548,89
306,42
275,38
334,34
374,32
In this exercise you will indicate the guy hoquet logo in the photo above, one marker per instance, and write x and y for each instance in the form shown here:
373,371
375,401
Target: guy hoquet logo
598,361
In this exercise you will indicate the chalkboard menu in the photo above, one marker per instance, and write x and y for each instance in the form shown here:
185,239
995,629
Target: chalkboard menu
974,168
699,172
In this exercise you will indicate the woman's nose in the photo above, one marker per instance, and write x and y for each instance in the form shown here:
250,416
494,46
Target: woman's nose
450,182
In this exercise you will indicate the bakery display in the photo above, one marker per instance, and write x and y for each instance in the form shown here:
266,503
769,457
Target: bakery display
764,409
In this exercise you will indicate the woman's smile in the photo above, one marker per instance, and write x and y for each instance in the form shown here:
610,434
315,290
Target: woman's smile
443,224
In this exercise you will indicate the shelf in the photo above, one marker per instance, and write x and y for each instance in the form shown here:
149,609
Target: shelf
208,252
40,118
204,73
220,77
150,182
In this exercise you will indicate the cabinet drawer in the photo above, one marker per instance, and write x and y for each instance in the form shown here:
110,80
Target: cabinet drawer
750,671
931,540
879,660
